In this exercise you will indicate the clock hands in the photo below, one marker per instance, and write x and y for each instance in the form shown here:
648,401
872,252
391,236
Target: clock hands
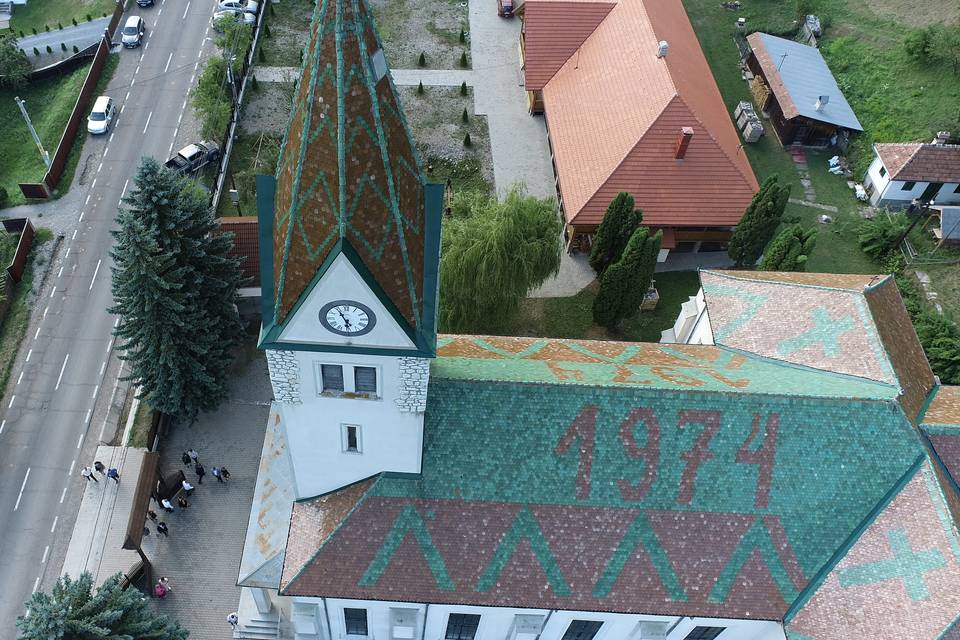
346,321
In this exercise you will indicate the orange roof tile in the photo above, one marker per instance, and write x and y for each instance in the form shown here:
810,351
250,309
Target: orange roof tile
849,281
246,246
921,162
554,30
615,110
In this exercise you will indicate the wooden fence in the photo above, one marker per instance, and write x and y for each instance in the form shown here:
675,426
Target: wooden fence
58,163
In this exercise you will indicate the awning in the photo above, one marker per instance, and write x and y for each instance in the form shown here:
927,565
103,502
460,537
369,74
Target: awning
146,484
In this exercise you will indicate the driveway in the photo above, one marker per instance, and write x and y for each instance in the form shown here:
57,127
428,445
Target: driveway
82,35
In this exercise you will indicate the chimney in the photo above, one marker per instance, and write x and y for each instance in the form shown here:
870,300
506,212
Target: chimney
942,137
683,141
662,49
821,102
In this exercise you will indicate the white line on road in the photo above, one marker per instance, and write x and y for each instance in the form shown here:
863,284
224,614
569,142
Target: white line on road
110,140
36,583
60,273
110,346
20,377
53,292
100,167
149,115
125,99
131,84
116,321
79,441
124,105
122,193
146,46
45,312
93,395
55,518
12,398
169,58
95,272
86,418
137,71
29,353
37,333
159,13
105,152
180,117
74,234
170,150
93,184
192,76
86,202
62,369
184,105
199,53
2,425
103,365
80,219
185,9
22,487
67,254
46,550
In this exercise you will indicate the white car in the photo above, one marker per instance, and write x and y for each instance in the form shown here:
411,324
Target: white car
246,6
101,116
248,18
133,30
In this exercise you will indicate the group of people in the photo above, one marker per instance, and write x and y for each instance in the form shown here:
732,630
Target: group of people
98,467
192,457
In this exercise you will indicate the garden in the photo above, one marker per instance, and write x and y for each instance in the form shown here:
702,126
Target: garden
435,29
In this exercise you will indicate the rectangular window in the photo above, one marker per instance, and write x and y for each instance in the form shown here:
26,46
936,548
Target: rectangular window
331,378
355,622
883,171
704,633
365,380
908,186
582,630
351,438
462,626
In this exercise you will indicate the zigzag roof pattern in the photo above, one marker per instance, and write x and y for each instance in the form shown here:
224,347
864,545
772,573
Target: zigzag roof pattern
349,178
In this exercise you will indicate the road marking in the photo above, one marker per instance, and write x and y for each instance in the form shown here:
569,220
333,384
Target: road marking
72,463
92,396
206,31
137,71
169,58
184,105
55,518
29,353
93,184
192,76
185,9
86,202
62,369
199,53
79,441
20,377
2,425
125,99
17,505
122,193
149,115
100,167
170,150
60,273
95,272
116,321
12,398
110,346
74,234
86,419
110,140
159,13
67,254
54,291
180,118
46,550
36,583
146,46
124,105
45,312
105,152
37,333
196,66
131,84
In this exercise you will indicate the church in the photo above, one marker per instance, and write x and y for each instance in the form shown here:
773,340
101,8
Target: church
794,479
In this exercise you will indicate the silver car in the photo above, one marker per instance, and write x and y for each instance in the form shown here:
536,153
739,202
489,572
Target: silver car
101,116
132,33
232,14
247,6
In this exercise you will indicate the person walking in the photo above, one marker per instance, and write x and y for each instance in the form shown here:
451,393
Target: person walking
200,471
234,620
152,514
165,503
113,473
194,455
187,487
99,468
165,581
224,474
182,502
87,473
186,458
162,528
217,474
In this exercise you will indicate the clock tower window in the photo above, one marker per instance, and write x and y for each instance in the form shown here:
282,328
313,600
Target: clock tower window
331,378
365,381
350,435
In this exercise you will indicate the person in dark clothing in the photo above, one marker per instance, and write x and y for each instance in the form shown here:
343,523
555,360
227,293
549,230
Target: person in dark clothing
182,502
200,471
224,473
152,514
162,528
99,468
186,458
217,475
113,473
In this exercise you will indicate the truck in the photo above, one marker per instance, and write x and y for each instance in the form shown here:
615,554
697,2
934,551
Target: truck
193,157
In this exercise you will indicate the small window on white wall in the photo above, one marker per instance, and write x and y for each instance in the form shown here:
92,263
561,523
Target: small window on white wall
331,378
347,381
352,442
365,381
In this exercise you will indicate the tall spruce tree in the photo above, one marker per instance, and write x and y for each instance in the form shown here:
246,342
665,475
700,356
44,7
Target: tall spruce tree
789,250
759,222
174,289
72,611
624,283
619,223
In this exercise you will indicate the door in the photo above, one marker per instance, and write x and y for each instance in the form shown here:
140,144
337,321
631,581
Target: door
931,191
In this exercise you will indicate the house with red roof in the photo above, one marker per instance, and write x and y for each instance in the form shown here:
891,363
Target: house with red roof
902,173
631,105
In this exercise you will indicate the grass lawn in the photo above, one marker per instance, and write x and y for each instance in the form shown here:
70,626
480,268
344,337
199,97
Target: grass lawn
39,14
253,154
289,25
573,317
141,426
14,326
464,175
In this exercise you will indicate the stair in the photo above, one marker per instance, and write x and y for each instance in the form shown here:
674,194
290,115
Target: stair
258,629
6,11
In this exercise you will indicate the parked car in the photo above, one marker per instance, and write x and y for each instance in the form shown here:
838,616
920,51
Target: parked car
505,8
133,30
145,3
193,157
247,6
248,18
101,116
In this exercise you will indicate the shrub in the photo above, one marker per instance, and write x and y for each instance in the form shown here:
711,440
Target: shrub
463,88
422,60
878,237
34,30
59,26
465,116
467,142
463,35
261,56
36,52
266,31
620,221
420,88
919,43
253,83
21,33
759,222
63,46
75,49
89,18
47,28
301,57
4,197
74,21
272,10
463,60
49,49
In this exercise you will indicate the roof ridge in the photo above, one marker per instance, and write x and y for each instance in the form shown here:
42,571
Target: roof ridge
724,273
611,5
732,161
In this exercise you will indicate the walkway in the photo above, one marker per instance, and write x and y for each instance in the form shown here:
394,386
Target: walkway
82,35
433,77
276,74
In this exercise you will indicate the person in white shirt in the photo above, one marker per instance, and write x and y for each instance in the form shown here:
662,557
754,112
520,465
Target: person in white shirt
187,487
166,505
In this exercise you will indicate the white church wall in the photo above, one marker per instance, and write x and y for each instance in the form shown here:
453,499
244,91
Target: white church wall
390,429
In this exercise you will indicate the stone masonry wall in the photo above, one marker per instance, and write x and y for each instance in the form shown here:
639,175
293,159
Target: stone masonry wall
414,378
284,376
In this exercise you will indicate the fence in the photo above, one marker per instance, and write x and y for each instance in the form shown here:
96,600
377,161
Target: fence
235,111
45,188
14,272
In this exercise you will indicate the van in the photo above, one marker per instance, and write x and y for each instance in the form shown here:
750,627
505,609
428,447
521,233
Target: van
132,33
101,116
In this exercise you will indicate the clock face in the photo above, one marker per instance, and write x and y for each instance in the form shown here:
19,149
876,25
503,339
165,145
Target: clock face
347,318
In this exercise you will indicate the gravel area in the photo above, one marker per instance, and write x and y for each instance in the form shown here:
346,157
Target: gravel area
409,27
438,128
289,25
268,108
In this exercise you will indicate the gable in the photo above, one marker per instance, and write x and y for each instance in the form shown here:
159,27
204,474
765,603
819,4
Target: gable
553,31
341,281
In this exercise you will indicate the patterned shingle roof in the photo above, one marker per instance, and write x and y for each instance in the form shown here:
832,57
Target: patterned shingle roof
921,162
349,179
695,494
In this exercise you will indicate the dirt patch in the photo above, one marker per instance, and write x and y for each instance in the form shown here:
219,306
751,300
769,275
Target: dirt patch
268,108
917,13
432,27
436,118
289,26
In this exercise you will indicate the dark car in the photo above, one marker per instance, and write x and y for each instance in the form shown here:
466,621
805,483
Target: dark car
145,3
505,8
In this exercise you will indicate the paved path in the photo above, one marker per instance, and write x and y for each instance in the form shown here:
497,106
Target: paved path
65,374
814,205
276,74
433,77
82,35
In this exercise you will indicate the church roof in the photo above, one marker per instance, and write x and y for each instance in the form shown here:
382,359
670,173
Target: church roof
619,477
349,181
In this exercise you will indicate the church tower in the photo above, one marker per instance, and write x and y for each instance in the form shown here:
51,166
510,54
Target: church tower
350,248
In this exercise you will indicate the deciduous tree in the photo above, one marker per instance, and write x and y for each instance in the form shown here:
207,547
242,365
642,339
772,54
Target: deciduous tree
14,65
617,227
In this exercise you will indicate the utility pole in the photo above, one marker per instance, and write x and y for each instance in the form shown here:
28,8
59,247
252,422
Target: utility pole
33,132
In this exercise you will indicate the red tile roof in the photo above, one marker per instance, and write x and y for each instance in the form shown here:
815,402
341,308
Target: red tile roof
246,246
554,30
921,162
615,110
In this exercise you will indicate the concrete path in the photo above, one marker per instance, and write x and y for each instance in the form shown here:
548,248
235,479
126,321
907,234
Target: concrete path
432,77
276,74
693,261
575,274
82,35
814,205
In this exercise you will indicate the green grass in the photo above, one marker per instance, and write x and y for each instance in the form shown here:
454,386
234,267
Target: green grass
251,156
38,14
140,430
289,23
14,326
573,317
465,175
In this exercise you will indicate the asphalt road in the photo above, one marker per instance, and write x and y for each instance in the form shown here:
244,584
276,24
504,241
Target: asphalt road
63,376
82,35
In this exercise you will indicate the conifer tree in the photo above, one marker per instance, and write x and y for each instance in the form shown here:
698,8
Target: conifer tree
174,288
759,222
71,610
789,250
625,282
615,230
